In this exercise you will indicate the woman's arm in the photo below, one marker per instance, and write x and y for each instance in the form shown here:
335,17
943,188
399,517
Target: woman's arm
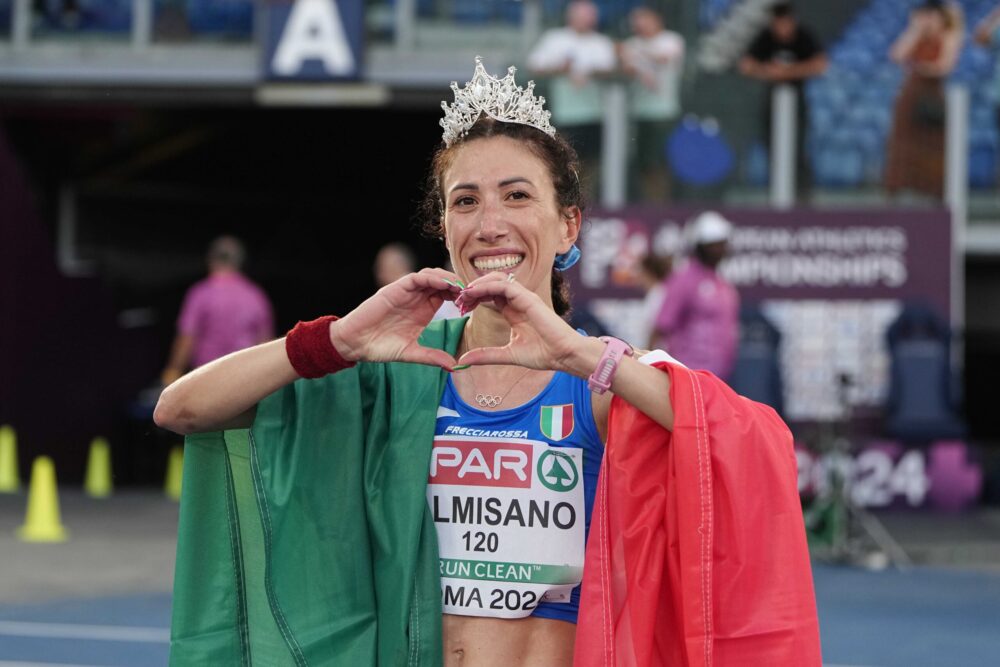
951,48
901,49
224,393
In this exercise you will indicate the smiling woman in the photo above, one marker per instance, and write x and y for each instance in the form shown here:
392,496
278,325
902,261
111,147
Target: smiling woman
391,503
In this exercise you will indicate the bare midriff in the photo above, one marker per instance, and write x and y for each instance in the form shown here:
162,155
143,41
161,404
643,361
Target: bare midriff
472,641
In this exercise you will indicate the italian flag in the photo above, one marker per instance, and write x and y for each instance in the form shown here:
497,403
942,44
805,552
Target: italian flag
557,421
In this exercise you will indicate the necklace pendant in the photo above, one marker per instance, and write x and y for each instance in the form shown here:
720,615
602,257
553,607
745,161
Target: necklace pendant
489,400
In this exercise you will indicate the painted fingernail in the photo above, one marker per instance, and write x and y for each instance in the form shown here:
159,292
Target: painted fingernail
461,367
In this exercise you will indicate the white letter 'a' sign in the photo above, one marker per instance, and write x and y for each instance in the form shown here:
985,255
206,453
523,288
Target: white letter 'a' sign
314,31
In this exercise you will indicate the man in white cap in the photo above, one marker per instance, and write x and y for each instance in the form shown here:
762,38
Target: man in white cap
698,323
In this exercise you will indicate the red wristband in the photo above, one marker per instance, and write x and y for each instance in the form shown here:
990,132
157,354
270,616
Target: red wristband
311,351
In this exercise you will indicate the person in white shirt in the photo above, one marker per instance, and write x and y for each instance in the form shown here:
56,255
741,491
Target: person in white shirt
654,58
575,56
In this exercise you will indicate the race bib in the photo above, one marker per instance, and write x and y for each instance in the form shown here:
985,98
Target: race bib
510,523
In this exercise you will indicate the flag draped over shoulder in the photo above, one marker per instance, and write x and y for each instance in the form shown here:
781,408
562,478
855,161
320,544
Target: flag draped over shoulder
697,551
307,540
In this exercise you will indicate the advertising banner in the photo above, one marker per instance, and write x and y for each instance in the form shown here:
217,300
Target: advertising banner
831,282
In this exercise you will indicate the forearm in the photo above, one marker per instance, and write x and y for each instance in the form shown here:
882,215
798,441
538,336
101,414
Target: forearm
903,46
644,387
808,69
217,394
753,68
180,353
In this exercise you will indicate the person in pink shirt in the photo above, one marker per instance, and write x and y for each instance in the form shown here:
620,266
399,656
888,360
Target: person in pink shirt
698,323
222,313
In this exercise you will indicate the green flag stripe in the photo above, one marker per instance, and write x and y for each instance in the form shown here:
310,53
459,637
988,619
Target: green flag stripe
529,573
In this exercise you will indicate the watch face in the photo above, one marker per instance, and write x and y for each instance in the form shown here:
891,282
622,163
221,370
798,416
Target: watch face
628,349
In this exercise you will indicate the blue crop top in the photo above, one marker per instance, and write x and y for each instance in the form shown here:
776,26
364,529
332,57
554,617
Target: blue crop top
505,490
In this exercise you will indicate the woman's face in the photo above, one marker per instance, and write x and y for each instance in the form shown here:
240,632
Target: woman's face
500,214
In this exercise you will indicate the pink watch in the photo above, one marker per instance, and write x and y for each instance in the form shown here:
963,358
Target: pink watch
600,380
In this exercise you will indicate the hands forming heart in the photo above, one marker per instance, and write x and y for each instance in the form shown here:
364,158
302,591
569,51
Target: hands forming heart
387,325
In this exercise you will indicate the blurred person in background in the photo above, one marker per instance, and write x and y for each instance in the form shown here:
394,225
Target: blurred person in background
654,58
574,57
699,319
651,275
928,50
222,313
395,260
786,52
392,262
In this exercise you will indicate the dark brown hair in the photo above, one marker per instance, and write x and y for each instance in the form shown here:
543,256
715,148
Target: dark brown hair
555,152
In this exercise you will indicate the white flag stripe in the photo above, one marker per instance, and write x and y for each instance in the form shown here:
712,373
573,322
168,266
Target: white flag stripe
114,633
557,423
446,412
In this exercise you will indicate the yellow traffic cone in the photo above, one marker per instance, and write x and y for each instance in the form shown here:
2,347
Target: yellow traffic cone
175,471
97,480
10,481
42,522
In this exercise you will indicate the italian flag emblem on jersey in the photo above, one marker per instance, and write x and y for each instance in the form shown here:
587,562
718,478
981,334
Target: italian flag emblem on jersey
557,421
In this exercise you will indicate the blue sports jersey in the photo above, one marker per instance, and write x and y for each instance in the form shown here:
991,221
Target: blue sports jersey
503,490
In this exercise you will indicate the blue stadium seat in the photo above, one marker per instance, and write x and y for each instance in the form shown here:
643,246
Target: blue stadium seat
757,373
92,16
921,404
230,17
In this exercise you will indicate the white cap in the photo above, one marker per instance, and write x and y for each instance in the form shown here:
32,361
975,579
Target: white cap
710,227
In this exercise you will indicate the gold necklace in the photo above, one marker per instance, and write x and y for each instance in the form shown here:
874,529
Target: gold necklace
491,400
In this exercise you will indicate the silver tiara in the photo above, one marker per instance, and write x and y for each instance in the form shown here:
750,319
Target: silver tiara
500,99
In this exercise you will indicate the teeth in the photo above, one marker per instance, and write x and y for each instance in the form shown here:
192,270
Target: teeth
497,263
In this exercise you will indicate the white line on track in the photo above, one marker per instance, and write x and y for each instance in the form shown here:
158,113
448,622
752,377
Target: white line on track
111,633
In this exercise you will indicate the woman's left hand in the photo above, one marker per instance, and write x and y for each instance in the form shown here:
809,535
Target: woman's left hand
539,338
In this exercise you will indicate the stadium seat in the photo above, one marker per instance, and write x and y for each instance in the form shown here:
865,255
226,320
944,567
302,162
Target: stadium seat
921,405
757,373
221,17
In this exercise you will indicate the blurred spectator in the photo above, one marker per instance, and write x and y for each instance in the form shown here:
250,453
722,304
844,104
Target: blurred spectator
222,313
654,58
651,275
448,309
928,50
395,260
786,52
699,319
392,262
64,14
573,56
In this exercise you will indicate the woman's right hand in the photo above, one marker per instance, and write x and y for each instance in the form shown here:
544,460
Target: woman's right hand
386,326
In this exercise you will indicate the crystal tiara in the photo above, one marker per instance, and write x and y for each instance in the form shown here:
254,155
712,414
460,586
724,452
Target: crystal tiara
500,99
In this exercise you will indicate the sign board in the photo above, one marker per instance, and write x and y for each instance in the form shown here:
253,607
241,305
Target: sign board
831,281
313,40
